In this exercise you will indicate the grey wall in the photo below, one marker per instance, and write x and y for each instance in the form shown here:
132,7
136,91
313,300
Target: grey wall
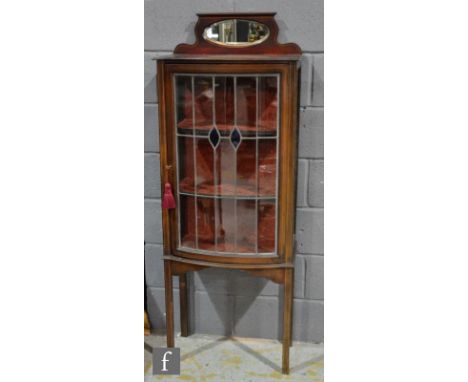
231,302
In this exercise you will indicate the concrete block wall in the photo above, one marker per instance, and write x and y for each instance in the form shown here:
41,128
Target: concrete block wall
231,302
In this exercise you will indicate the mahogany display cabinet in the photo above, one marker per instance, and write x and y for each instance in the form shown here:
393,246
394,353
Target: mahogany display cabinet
228,107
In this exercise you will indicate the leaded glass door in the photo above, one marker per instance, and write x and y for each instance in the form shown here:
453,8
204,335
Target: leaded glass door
227,142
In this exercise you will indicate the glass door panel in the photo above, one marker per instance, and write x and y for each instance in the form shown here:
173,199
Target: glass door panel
226,228
186,164
267,167
206,223
246,105
266,225
184,102
227,155
246,168
224,101
267,106
246,239
203,104
187,221
226,168
204,159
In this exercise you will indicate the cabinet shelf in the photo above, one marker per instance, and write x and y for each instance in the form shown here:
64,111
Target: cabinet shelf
224,196
186,127
226,191
221,248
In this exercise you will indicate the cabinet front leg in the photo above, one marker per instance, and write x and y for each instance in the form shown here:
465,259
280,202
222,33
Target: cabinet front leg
288,299
169,304
183,304
292,308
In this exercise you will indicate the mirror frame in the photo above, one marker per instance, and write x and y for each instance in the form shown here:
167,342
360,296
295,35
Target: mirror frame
236,44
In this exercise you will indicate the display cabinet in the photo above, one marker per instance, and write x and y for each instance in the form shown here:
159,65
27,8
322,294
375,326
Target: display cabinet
228,107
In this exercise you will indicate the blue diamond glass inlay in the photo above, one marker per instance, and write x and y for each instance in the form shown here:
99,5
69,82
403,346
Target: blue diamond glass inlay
214,137
235,138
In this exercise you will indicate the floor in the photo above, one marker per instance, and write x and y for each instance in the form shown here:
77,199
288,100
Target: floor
218,359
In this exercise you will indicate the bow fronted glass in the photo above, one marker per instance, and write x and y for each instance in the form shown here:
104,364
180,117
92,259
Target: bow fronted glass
227,160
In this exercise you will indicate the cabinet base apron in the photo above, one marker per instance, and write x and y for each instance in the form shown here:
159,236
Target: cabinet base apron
278,273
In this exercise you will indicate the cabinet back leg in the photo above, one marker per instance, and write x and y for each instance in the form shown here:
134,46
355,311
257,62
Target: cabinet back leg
169,304
183,305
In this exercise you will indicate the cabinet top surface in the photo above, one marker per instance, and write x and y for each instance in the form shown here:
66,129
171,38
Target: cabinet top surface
251,58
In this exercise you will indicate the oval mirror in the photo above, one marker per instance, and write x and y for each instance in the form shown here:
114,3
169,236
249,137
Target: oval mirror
236,33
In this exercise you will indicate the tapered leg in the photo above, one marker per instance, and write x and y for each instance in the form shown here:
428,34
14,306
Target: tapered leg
169,304
183,304
288,294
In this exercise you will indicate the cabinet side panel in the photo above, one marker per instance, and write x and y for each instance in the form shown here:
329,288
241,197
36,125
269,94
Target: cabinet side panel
288,163
163,149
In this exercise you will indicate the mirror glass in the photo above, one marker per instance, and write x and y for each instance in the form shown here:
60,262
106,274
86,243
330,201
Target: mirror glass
236,32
